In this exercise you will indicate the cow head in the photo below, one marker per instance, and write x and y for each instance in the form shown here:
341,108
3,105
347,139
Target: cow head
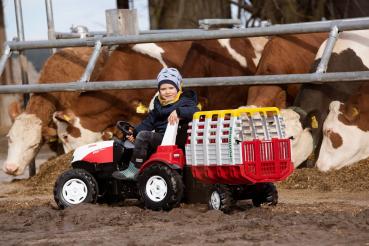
71,133
343,142
24,141
301,139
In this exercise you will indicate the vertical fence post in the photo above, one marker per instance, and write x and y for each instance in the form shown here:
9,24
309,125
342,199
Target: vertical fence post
6,54
91,63
23,65
50,21
322,67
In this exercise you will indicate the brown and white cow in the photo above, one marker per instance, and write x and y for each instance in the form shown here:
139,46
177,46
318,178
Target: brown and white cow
33,126
346,132
223,57
285,54
349,54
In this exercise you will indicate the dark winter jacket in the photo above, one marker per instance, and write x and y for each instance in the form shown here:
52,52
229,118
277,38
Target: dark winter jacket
158,117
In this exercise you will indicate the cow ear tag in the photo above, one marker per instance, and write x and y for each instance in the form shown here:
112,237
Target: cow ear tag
199,106
66,118
141,109
354,112
351,114
52,139
314,123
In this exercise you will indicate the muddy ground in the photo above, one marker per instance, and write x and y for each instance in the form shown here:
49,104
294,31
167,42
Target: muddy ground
314,208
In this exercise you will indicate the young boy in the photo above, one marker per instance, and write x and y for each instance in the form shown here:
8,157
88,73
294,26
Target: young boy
171,105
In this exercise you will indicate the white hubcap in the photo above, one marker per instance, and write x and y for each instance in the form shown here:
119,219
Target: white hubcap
74,191
215,200
156,188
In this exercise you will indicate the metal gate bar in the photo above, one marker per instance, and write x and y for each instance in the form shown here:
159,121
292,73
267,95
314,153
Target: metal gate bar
308,27
190,82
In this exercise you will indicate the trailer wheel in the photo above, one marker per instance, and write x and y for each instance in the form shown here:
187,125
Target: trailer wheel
160,187
221,198
265,193
74,187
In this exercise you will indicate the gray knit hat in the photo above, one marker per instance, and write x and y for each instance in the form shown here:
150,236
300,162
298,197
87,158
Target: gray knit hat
169,76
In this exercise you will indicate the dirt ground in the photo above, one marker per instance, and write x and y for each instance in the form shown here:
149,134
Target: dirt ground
314,208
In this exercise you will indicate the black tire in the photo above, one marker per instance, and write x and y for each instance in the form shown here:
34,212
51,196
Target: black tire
265,193
168,180
83,182
221,198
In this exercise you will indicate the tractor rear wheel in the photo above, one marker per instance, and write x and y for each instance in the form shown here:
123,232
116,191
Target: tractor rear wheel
160,187
265,193
74,187
221,198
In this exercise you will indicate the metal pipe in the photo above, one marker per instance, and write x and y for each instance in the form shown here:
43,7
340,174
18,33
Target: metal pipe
342,25
4,58
170,31
208,23
19,19
91,63
22,58
68,35
50,21
322,67
191,82
23,65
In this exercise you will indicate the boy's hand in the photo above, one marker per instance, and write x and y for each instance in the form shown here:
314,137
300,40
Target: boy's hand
173,118
131,138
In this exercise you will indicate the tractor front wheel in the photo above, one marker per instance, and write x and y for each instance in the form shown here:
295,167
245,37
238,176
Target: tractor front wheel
74,187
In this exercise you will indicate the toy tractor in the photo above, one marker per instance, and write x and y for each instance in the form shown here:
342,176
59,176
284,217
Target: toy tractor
240,152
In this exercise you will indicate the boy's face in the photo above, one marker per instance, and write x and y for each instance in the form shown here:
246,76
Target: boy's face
168,92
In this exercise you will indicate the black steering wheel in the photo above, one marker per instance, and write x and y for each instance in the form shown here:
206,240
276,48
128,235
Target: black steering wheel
125,127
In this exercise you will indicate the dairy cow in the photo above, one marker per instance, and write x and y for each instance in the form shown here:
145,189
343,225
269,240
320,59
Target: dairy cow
285,54
223,57
34,126
349,54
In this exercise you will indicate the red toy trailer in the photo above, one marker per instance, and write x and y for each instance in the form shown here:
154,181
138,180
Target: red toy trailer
240,152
